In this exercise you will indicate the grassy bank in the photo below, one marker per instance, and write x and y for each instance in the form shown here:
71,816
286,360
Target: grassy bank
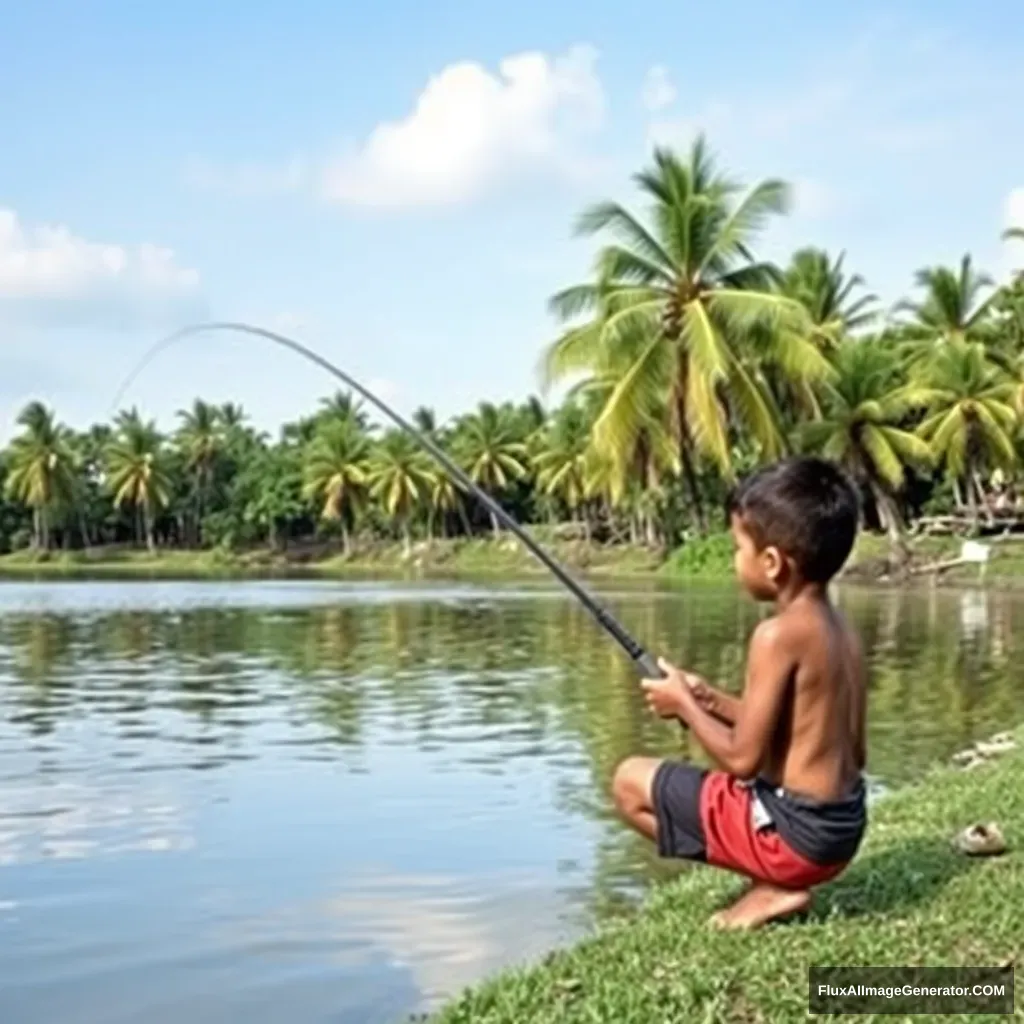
708,559
908,898
478,557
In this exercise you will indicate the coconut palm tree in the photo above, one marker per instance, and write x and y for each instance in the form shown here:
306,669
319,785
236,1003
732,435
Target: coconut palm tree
445,498
672,315
201,442
425,420
41,469
138,472
862,409
343,405
971,421
564,458
492,455
401,479
956,306
823,288
335,472
232,415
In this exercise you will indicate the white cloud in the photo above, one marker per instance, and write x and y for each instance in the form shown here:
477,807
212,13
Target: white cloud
49,275
658,91
469,128
247,180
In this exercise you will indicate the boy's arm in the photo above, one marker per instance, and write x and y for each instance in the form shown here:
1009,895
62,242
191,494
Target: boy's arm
724,706
741,748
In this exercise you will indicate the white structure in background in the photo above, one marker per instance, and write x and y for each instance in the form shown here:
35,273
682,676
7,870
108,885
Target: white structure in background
972,551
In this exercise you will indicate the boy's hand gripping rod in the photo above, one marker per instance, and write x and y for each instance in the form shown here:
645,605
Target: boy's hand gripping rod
644,663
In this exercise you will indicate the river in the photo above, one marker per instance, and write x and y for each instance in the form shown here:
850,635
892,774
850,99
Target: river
325,802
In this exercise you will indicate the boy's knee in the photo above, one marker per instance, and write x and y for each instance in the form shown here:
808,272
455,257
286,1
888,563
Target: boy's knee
630,784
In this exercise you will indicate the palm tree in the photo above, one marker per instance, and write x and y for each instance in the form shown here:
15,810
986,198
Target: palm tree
862,408
564,458
490,451
1013,235
424,420
342,405
335,472
401,478
672,316
201,443
953,308
822,287
41,469
137,471
232,415
445,498
971,421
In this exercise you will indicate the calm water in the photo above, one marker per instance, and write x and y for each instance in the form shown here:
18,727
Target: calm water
282,802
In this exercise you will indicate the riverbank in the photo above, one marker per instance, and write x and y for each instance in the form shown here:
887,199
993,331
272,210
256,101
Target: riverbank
908,898
708,560
479,557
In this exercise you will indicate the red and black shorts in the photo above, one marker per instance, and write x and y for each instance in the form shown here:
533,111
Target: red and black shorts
708,816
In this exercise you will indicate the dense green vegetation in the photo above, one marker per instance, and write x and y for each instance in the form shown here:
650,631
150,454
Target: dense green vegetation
689,361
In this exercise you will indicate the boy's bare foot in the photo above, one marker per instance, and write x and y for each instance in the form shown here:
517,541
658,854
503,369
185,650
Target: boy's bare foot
761,904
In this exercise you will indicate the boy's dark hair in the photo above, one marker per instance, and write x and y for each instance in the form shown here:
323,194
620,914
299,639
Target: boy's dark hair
806,507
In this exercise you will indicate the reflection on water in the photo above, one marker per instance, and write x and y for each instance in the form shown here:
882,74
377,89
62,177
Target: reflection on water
310,801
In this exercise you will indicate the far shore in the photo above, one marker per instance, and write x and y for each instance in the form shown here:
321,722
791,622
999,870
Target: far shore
931,560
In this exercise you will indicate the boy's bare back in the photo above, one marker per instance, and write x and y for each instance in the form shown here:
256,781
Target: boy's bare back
818,750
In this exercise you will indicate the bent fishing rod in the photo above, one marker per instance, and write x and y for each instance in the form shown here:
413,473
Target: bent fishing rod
643,662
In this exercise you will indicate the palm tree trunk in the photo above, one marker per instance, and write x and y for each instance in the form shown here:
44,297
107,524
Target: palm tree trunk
83,525
690,475
37,527
147,516
344,538
972,501
495,527
982,498
958,498
44,519
406,539
891,520
465,520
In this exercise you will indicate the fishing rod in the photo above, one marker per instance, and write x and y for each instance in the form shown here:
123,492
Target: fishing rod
643,662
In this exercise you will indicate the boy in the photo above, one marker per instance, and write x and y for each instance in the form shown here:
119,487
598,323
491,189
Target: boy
786,807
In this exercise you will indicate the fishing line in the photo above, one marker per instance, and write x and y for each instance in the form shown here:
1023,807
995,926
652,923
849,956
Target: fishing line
643,662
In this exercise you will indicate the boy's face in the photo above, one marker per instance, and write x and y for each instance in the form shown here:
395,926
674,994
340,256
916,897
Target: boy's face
759,570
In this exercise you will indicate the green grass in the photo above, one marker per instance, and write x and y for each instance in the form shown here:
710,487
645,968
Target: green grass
906,899
480,557
705,559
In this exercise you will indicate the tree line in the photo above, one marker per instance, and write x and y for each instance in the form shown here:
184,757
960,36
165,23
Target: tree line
687,359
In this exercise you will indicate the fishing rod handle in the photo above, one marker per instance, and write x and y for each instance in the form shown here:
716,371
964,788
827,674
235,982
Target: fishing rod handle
647,665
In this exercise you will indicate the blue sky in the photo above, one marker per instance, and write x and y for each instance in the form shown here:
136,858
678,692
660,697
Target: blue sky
396,183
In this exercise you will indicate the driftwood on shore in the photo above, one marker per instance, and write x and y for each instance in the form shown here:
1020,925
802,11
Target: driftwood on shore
987,523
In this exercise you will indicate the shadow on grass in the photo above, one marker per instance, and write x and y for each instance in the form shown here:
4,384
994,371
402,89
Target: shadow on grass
892,880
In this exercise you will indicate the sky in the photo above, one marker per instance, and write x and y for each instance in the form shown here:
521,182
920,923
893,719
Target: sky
396,183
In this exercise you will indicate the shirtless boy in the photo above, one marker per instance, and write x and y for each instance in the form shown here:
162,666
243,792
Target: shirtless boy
786,805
